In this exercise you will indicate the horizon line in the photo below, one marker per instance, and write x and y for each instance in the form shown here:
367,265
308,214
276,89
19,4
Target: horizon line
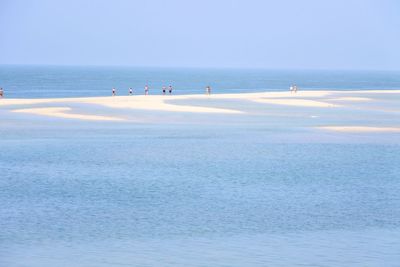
198,67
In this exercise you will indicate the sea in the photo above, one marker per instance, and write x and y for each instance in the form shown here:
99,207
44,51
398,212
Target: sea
31,81
243,193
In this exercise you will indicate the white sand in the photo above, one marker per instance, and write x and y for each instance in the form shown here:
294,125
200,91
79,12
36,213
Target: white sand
296,102
350,98
61,106
62,112
156,103
360,129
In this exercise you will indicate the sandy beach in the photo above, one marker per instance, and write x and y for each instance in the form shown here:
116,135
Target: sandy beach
306,104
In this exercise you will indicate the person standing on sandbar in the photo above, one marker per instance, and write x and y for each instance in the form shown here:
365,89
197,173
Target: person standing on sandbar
170,89
130,91
208,90
146,90
114,92
1,93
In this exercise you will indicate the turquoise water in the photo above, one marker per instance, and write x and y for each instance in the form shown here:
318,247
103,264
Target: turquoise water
58,81
199,190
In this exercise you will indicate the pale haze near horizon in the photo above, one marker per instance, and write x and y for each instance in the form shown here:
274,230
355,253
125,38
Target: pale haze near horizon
286,34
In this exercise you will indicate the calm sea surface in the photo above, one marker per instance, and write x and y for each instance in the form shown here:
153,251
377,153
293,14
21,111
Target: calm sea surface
53,81
76,193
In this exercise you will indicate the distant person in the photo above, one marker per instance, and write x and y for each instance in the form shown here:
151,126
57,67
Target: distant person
208,90
130,91
146,90
295,88
164,89
170,89
114,92
291,88
1,93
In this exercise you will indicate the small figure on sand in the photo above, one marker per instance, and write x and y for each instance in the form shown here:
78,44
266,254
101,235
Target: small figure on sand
130,91
114,92
208,90
293,88
1,93
146,90
170,89
164,89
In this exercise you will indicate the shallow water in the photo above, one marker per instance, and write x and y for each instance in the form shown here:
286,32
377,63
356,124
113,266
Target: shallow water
151,195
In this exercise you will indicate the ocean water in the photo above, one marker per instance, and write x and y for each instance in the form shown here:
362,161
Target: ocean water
109,195
238,190
73,81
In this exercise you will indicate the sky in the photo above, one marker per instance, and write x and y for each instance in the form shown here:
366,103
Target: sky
285,34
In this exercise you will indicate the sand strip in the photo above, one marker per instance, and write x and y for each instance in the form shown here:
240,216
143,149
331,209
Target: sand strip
296,102
361,129
350,98
61,112
163,103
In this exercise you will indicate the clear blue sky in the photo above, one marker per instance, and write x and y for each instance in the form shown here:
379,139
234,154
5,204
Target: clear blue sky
294,34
